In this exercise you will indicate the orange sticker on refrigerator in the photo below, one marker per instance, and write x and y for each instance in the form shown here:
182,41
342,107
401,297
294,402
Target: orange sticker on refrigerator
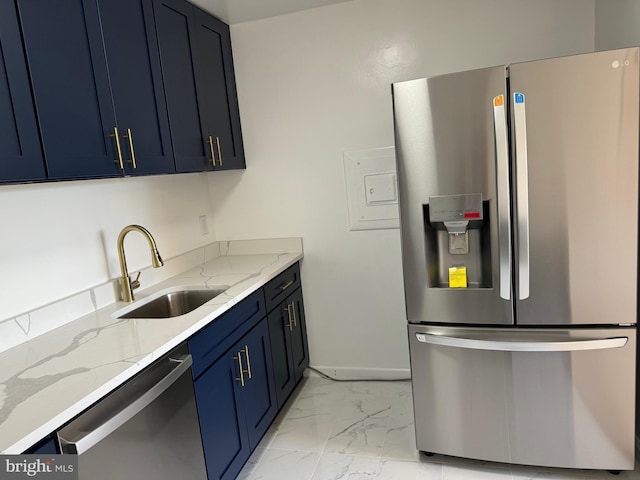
458,277
498,101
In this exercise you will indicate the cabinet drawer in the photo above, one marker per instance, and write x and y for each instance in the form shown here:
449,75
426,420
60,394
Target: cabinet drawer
212,341
280,287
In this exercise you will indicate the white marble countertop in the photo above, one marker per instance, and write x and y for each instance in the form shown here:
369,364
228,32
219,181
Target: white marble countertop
48,380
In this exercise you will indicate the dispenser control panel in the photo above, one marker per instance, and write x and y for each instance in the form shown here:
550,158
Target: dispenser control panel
451,208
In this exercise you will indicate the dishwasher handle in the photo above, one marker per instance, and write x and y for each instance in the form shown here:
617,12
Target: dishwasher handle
116,419
517,346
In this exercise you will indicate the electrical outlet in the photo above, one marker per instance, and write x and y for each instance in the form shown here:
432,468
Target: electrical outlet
204,226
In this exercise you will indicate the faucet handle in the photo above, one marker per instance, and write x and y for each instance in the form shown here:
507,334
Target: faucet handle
136,283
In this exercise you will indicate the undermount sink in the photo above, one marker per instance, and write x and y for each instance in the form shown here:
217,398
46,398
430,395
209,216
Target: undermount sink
174,304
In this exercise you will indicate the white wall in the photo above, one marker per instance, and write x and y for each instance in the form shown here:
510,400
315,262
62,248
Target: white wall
316,83
617,24
60,238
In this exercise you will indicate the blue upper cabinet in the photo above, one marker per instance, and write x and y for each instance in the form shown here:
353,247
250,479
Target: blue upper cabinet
133,62
197,66
70,84
21,154
175,25
106,88
216,81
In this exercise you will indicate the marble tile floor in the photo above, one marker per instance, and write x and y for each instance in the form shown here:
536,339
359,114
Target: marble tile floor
364,431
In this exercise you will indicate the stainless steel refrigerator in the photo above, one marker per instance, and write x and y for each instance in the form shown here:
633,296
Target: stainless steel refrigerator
519,223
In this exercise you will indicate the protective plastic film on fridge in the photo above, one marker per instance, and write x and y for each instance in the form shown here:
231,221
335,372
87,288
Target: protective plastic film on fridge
519,223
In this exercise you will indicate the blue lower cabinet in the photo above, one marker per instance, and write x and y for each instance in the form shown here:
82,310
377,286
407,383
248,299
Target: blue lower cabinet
236,403
279,322
289,348
222,423
258,393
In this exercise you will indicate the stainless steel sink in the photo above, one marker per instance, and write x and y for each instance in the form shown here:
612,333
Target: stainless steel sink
174,304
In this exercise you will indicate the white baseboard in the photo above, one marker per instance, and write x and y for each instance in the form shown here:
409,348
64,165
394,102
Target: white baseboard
354,373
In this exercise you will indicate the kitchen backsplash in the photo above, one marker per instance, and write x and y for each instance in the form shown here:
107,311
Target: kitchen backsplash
24,327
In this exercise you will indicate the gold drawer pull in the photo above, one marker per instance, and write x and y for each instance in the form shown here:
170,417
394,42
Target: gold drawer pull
133,153
239,358
286,285
288,310
213,156
118,149
219,151
293,310
246,353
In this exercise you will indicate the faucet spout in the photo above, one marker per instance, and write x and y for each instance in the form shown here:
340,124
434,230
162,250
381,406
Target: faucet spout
156,260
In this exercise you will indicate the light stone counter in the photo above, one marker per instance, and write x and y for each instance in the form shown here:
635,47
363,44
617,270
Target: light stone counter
46,381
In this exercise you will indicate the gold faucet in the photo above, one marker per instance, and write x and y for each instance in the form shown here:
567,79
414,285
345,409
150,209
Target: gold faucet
156,261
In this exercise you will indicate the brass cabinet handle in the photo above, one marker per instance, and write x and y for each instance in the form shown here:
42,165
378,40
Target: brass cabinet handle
133,154
293,310
288,310
219,151
241,379
118,149
213,156
286,285
246,353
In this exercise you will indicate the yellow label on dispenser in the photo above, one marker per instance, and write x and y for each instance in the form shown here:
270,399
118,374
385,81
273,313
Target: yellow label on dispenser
457,277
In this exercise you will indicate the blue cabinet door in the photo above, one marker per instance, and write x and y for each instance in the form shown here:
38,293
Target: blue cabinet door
216,82
133,61
258,393
237,402
70,85
197,67
289,347
280,337
222,422
298,333
175,26
20,155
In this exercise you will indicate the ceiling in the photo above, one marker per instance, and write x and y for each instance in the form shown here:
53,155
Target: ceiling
238,11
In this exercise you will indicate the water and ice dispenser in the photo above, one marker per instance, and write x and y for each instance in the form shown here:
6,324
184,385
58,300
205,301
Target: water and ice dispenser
458,241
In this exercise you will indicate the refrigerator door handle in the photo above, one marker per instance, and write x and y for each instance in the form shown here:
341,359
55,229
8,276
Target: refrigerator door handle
502,180
515,346
522,199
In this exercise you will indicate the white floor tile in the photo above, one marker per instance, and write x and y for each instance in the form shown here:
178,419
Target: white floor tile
358,436
333,466
400,442
406,470
459,472
251,464
305,433
285,465
308,404
365,431
553,475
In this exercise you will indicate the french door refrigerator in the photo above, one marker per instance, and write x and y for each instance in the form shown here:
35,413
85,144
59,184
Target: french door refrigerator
519,223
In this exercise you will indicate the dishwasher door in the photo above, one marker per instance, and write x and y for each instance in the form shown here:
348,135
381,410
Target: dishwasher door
546,397
146,429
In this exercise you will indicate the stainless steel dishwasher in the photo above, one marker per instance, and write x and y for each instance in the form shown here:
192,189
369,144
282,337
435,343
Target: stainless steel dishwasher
146,429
